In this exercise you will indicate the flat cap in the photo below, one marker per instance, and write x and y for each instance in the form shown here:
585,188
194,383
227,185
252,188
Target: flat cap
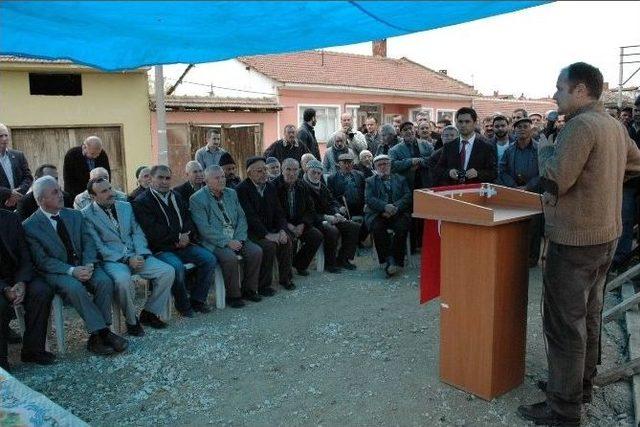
381,157
314,164
254,159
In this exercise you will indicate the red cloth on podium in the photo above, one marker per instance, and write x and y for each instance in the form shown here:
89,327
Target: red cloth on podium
430,258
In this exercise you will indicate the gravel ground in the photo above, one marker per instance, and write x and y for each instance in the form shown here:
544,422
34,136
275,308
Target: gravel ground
349,349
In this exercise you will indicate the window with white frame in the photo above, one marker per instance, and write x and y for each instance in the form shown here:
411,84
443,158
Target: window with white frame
449,114
327,120
413,114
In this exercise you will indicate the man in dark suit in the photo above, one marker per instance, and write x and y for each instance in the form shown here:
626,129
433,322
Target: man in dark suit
165,219
298,208
470,158
195,181
288,147
267,225
388,199
64,253
18,285
306,132
79,161
27,205
15,176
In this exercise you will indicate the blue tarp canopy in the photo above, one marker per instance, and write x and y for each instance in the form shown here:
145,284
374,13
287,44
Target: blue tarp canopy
116,35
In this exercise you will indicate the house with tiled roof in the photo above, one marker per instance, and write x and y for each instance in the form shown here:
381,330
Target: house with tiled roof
363,85
332,83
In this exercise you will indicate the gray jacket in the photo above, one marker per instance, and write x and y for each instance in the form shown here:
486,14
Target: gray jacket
376,197
209,219
113,243
401,163
48,252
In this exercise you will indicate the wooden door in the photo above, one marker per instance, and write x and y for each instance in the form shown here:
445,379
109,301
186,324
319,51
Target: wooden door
241,141
49,145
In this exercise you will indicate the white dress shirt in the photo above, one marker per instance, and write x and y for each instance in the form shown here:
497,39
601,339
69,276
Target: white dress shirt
8,170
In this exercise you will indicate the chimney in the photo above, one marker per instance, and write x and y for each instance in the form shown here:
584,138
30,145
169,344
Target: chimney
495,93
379,48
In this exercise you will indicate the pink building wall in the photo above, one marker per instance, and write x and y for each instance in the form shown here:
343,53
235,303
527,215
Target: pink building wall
291,99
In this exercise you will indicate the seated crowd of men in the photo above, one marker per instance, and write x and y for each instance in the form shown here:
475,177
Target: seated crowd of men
86,242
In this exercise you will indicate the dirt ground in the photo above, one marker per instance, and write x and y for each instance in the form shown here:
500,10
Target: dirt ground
348,349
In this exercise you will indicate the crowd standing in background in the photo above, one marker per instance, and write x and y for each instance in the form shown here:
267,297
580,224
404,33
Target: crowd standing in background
86,242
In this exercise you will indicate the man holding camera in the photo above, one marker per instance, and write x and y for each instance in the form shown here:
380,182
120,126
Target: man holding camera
581,176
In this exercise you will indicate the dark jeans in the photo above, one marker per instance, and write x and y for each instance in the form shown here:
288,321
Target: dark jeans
310,240
271,251
629,212
205,263
386,246
349,231
574,279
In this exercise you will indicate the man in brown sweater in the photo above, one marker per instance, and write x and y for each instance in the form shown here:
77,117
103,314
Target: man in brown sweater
582,176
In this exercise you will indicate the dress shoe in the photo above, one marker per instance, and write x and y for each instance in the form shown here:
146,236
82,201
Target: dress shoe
347,265
40,358
235,302
200,307
187,313
150,319
391,269
135,330
288,286
114,341
333,269
542,414
13,337
302,272
251,296
97,345
586,397
267,291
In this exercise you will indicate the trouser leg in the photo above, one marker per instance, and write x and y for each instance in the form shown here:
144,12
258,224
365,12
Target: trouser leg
331,235
349,232
162,275
572,278
179,286
310,241
252,265
121,276
205,263
37,306
400,226
5,306
284,253
269,249
102,287
229,265
381,238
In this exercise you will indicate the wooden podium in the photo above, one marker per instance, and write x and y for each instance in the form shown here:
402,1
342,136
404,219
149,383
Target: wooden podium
483,283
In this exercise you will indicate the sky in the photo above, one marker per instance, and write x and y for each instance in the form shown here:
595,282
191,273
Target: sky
522,52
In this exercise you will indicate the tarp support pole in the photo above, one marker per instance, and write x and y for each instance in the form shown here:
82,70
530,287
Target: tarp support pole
161,122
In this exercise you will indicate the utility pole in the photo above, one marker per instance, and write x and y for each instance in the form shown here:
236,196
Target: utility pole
624,53
161,123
